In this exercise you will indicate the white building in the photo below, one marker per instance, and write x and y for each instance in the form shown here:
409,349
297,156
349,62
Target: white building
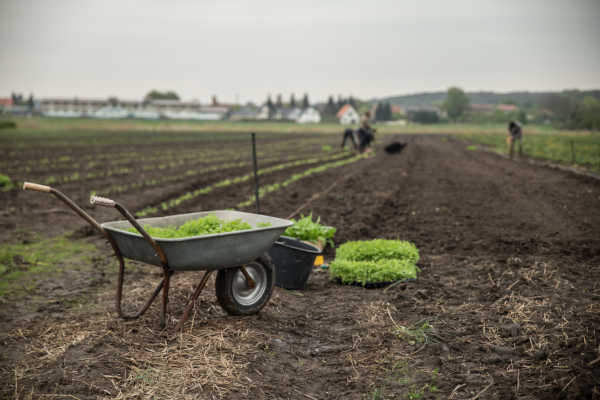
348,115
264,113
293,114
115,108
309,116
111,113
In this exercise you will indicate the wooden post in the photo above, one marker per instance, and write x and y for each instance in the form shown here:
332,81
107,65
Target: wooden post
572,152
255,172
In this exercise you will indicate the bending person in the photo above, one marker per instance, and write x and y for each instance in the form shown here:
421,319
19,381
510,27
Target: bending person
515,134
366,133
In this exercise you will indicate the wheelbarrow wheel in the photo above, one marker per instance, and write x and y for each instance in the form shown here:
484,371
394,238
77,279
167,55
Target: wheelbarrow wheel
236,296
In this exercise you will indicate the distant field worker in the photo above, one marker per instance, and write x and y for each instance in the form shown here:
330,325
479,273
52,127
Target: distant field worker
366,133
363,136
515,133
350,134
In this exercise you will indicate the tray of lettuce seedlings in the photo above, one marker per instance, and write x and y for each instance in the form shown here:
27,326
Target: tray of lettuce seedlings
374,263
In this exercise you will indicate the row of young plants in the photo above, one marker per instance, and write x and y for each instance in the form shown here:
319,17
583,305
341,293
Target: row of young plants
264,190
91,160
199,158
99,160
163,157
23,141
166,179
17,157
80,177
166,205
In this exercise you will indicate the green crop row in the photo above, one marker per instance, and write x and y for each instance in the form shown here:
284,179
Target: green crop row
568,149
79,177
264,190
100,160
174,178
26,140
230,181
164,159
100,141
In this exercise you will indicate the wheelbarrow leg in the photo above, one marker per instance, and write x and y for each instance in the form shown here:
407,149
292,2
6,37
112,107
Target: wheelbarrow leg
163,312
192,301
120,293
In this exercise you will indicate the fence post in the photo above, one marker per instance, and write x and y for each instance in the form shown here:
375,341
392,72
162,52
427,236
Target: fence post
255,172
572,152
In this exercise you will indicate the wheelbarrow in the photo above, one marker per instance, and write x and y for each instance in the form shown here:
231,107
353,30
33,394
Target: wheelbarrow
245,273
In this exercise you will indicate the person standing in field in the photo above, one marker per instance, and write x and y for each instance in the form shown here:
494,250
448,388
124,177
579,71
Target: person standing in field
366,133
515,133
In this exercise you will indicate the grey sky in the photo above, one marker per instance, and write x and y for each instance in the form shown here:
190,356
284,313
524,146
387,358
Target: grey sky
251,48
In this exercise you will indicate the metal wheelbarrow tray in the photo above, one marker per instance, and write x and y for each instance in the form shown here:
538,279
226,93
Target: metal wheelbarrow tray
206,252
245,273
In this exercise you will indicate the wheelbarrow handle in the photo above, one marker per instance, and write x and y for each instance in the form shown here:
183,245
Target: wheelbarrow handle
102,201
61,196
36,186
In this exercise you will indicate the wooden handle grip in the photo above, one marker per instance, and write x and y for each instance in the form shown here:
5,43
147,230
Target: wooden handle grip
35,186
102,201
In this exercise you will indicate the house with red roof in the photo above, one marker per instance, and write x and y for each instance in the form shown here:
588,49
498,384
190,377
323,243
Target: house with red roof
5,104
348,115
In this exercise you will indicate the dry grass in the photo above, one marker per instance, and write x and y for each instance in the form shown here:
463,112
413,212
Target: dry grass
104,357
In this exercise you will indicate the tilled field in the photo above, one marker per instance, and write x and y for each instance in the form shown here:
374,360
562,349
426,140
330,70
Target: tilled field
507,304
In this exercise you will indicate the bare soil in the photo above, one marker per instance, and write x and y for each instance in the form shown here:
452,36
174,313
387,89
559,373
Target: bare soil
506,306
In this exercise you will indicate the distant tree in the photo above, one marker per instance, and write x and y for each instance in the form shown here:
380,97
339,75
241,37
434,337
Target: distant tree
388,111
157,95
561,106
30,102
269,103
340,101
330,108
113,101
378,112
587,114
352,102
17,98
292,100
383,112
279,102
305,102
424,117
456,103
522,116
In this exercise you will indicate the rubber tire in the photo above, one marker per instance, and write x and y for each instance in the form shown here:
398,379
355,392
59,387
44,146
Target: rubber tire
224,289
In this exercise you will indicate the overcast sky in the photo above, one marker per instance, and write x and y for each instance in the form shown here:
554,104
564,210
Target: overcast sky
245,50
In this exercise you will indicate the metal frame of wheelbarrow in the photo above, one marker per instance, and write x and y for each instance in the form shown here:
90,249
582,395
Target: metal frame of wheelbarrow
167,272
